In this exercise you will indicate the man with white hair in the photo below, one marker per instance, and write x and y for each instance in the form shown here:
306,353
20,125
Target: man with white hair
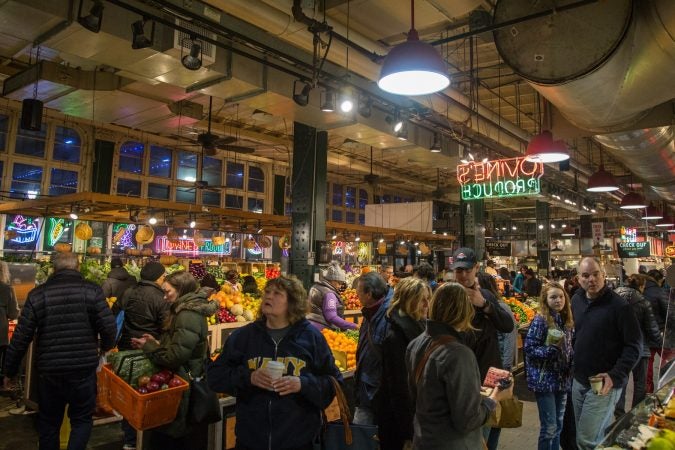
607,346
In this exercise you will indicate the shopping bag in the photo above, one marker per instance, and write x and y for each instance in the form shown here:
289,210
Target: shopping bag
343,435
511,413
494,375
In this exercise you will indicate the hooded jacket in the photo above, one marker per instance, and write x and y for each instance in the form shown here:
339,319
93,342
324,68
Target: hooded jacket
145,311
651,336
327,309
658,298
66,315
394,408
266,420
183,348
449,409
548,367
117,282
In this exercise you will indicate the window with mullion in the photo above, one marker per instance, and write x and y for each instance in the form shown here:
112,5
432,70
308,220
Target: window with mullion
131,157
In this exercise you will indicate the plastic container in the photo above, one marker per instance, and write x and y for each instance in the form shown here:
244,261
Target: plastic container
144,411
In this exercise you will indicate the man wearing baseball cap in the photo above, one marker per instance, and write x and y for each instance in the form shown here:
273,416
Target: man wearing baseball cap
489,318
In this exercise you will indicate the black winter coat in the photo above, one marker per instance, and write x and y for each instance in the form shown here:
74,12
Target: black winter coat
145,311
394,407
68,315
117,283
658,298
651,336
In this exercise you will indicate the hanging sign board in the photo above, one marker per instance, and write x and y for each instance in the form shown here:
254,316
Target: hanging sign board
633,249
498,248
598,232
499,178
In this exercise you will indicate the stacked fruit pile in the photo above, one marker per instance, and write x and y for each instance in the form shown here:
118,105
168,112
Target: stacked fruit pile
158,381
261,281
350,299
272,272
234,306
343,343
197,270
251,303
522,313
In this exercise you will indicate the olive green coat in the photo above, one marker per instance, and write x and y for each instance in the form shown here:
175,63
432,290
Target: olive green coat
183,347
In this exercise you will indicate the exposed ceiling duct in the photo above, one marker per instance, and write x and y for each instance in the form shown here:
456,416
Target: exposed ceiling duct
613,76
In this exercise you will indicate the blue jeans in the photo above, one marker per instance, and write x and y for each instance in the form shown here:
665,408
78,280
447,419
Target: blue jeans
593,413
551,407
57,391
129,433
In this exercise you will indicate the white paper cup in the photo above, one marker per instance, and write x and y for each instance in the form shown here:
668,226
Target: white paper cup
554,336
596,383
275,369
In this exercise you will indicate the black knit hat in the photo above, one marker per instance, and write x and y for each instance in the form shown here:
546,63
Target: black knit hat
115,263
152,271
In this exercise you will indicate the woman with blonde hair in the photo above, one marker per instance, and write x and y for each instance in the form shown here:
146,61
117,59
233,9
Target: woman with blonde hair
394,410
548,361
444,379
282,411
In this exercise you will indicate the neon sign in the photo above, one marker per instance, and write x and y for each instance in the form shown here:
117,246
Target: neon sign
187,245
256,250
55,229
123,234
26,229
337,247
628,234
500,178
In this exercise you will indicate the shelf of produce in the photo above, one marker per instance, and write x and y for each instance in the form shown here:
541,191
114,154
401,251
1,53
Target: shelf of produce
354,315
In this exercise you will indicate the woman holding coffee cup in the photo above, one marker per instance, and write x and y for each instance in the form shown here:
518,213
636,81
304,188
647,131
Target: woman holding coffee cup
279,368
548,361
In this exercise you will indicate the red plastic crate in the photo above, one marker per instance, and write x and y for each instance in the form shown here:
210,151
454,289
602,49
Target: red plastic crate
143,411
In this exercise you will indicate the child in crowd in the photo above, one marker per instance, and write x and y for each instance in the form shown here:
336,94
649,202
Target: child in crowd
548,361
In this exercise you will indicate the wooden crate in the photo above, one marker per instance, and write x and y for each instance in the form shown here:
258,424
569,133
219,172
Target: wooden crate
245,267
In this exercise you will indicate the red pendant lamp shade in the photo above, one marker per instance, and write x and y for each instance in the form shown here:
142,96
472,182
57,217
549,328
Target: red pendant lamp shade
602,181
632,200
652,213
542,148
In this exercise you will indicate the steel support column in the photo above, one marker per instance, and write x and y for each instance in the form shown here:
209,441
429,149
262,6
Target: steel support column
473,226
543,233
308,216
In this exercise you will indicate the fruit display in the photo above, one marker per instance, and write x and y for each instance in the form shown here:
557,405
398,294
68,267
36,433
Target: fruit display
234,306
342,342
272,271
350,299
94,270
218,273
522,313
197,270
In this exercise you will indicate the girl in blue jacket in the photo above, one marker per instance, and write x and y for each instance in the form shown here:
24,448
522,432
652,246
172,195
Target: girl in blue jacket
548,361
282,413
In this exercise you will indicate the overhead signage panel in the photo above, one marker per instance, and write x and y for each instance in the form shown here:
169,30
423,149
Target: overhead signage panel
633,249
499,178
498,248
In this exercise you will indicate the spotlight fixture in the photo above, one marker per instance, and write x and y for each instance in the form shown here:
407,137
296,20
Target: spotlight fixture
193,60
133,216
413,67
365,106
542,148
334,235
152,220
602,181
632,200
328,100
301,90
436,144
91,21
260,228
138,38
541,227
346,101
402,131
381,240
357,237
74,213
652,213
191,222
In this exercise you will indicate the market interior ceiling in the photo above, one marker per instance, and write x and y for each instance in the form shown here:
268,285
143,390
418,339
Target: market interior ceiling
257,53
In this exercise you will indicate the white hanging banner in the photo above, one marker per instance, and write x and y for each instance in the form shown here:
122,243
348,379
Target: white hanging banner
598,232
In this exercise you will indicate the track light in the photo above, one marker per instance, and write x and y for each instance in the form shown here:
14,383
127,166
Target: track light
346,101
193,60
301,90
334,235
260,228
328,100
92,21
138,38
74,213
401,131
381,239
365,106
357,238
152,220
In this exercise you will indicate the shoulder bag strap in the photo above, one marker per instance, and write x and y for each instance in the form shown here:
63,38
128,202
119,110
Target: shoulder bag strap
436,343
344,410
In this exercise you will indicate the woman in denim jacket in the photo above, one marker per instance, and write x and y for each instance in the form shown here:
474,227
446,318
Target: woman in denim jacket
548,361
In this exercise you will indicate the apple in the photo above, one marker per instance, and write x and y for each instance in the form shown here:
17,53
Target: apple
174,382
152,386
167,374
142,381
157,378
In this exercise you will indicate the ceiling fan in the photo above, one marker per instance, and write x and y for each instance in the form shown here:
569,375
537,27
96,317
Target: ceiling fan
371,178
211,143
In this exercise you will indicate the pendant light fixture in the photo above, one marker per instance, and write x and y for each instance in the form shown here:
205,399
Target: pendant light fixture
652,213
542,148
666,222
413,67
632,200
602,180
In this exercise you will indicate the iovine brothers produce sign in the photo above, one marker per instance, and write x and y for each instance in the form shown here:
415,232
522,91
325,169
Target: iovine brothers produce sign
500,178
498,248
633,249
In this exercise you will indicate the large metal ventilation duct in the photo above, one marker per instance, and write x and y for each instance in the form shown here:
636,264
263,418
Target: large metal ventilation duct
605,66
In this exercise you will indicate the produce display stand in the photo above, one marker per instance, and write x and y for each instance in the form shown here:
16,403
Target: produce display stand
353,315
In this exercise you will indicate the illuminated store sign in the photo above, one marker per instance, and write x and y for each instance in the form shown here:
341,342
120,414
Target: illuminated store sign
55,229
187,245
501,178
628,234
26,229
341,247
633,249
123,234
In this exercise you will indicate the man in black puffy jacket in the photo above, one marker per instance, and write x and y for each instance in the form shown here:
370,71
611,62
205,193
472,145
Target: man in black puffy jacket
658,298
66,316
650,333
